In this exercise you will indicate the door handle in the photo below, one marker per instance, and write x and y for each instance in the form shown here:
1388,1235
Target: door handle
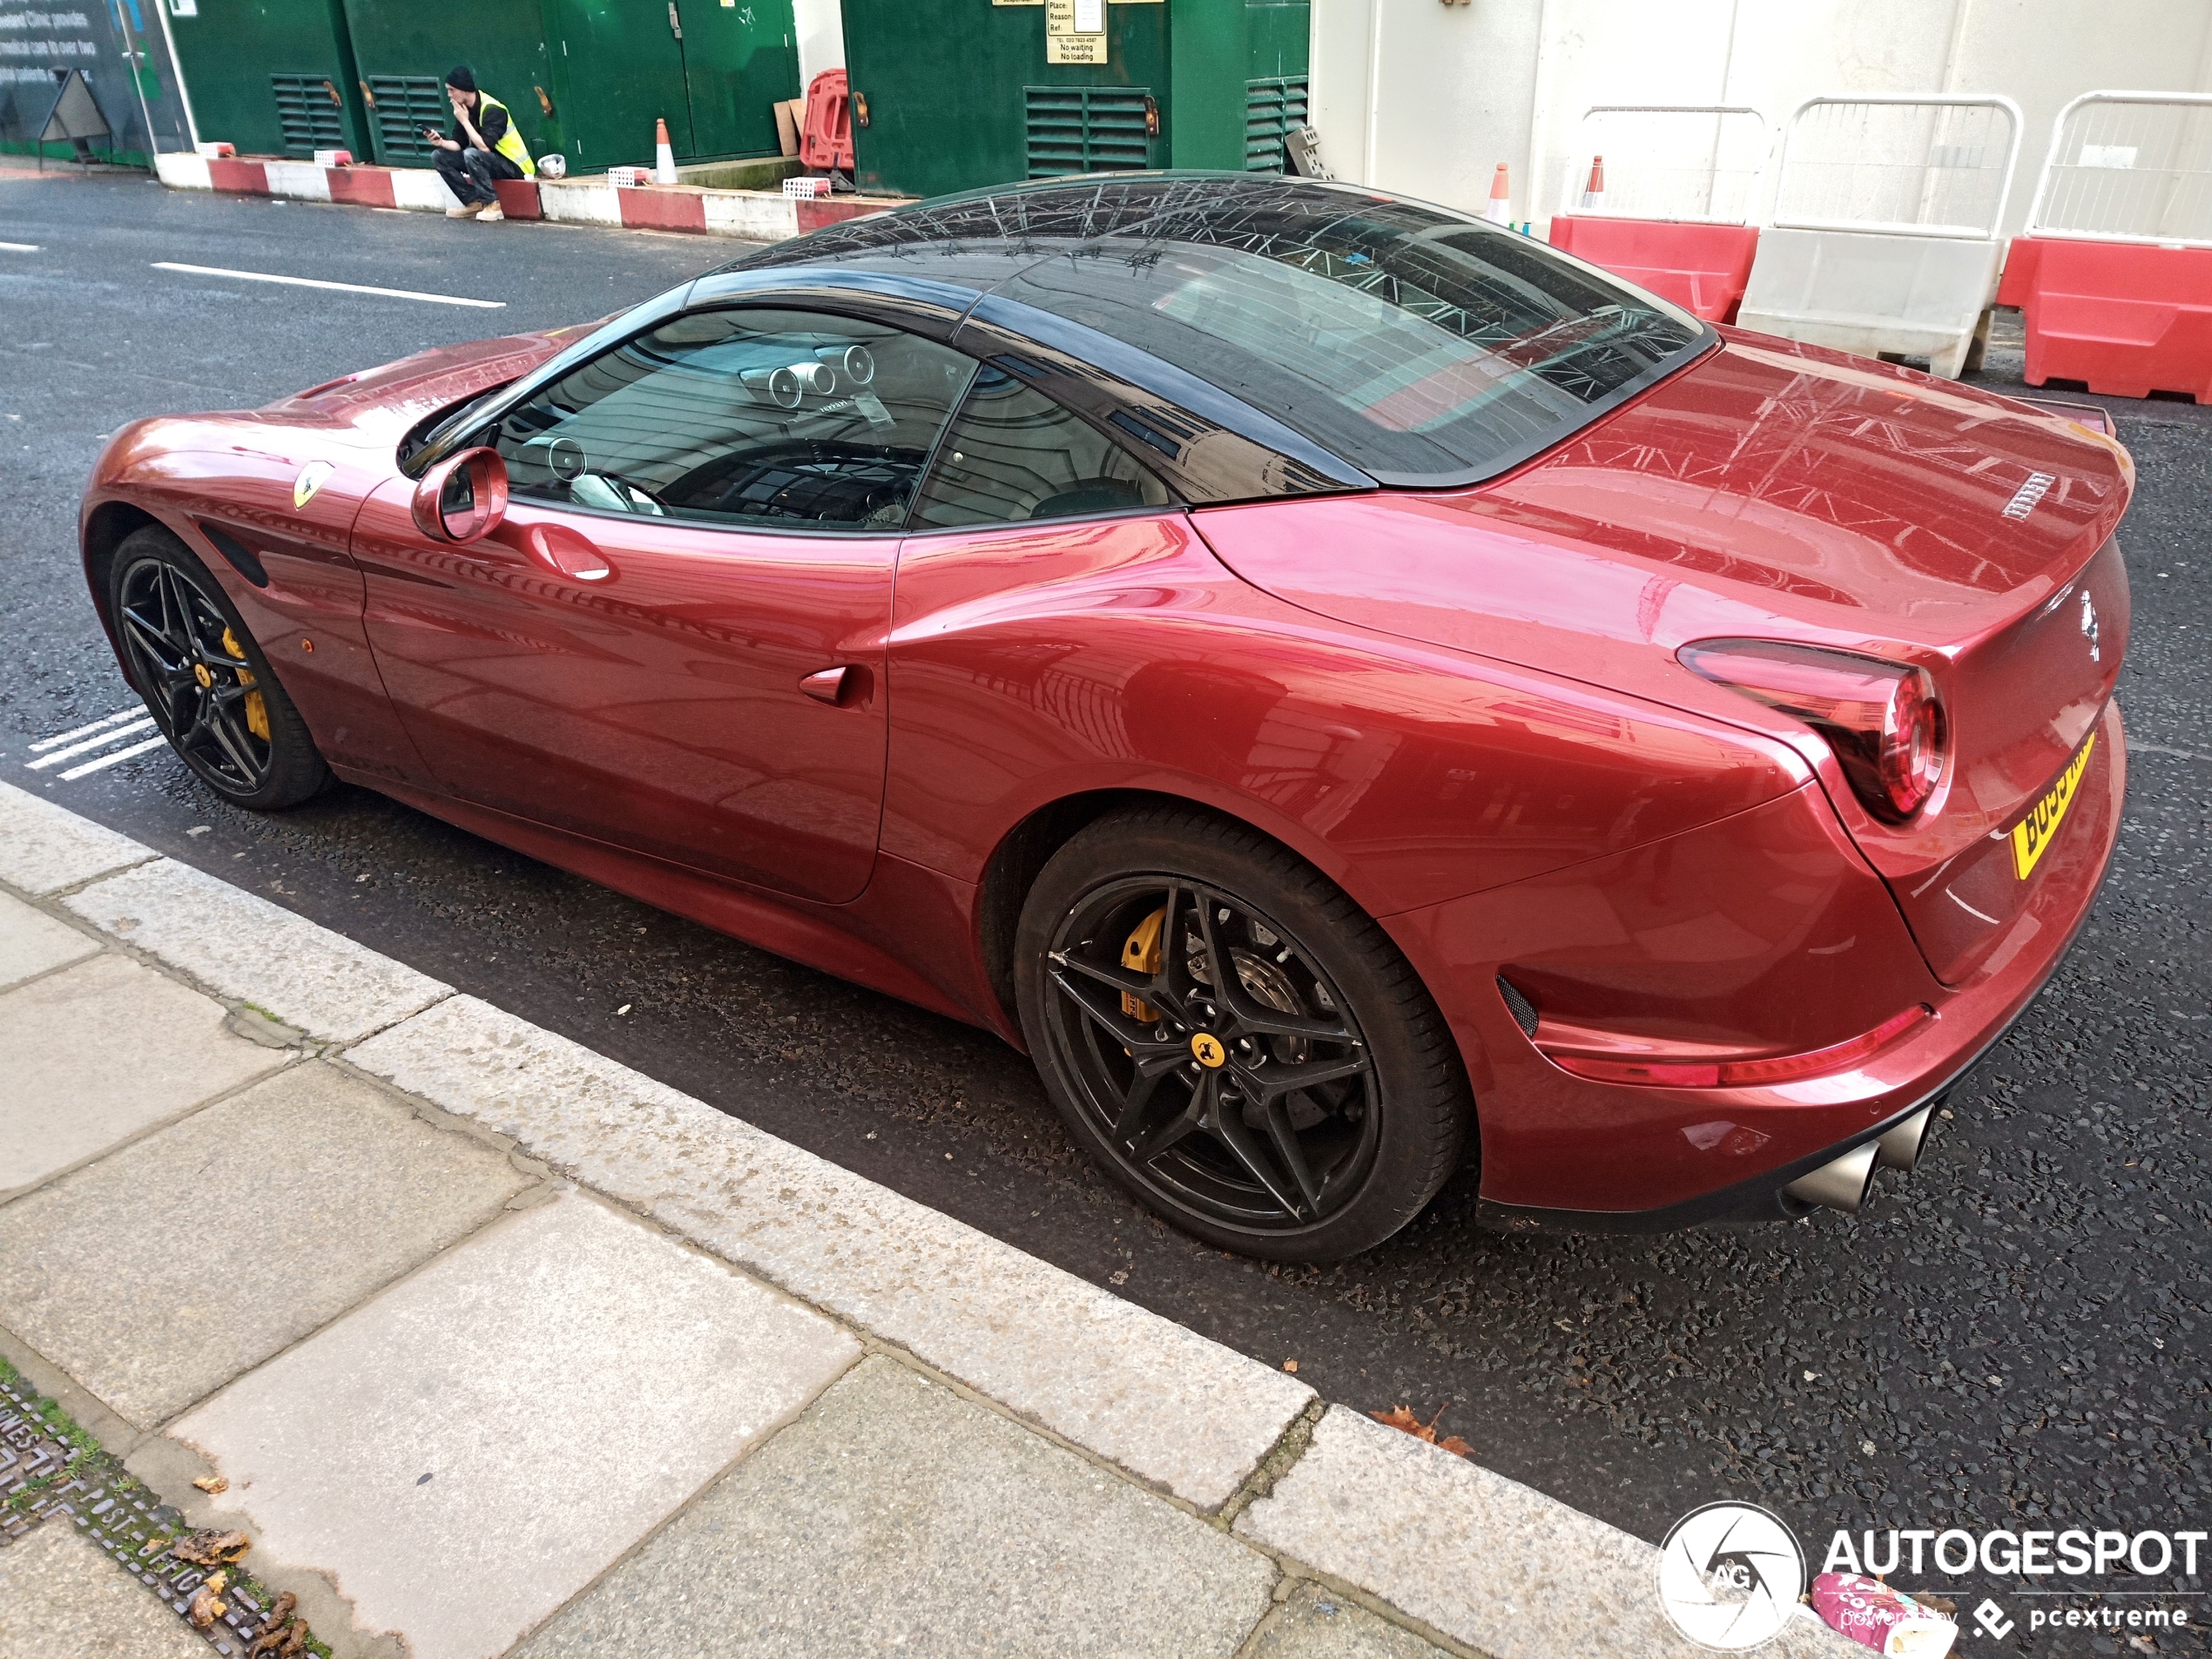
827,684
564,552
675,23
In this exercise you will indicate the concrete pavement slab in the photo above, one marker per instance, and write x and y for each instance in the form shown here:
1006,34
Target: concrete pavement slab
32,943
59,1595
244,946
468,1450
101,1051
160,1273
1153,1396
896,1516
1482,1559
1315,1623
45,847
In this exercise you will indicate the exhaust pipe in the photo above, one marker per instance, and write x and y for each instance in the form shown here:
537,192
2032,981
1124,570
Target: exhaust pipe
1899,1147
1840,1184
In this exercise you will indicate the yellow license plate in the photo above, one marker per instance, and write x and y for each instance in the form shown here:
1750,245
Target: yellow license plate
2034,832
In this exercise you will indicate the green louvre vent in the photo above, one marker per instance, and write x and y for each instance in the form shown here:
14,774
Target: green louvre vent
1087,129
401,106
309,113
1272,108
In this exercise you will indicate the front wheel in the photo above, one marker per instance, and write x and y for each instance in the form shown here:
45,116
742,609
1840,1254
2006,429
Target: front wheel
205,679
1231,1037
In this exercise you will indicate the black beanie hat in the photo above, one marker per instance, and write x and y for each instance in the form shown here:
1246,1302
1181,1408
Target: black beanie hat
462,78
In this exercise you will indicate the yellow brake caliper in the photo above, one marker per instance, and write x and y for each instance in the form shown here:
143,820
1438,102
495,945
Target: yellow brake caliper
256,708
1143,953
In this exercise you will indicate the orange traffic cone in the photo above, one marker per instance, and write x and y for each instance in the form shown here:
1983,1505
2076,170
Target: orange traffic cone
1594,193
1499,211
664,154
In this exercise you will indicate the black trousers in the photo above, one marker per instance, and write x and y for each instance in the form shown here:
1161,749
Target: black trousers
469,173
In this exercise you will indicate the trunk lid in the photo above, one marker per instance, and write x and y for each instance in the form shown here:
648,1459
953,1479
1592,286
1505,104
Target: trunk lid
1778,491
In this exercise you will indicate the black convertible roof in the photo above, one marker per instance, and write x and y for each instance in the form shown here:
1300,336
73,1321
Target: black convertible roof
1379,339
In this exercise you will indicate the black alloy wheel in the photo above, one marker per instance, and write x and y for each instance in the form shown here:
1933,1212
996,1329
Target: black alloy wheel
204,678
1234,1040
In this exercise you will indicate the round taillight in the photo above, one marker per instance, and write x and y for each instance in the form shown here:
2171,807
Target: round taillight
1912,752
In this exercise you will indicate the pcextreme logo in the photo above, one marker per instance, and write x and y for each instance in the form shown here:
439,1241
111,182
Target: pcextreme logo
1729,1576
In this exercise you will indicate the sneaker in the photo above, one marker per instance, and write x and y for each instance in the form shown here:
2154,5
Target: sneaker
491,212
465,211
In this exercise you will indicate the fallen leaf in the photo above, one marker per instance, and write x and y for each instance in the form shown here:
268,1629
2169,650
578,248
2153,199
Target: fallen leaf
205,1608
280,1613
212,1484
1401,1417
1291,1365
211,1549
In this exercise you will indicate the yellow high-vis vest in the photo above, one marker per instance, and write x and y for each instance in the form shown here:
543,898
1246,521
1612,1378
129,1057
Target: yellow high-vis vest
510,143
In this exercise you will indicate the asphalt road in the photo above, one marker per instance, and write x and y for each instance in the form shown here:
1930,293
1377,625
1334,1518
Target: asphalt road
2015,1337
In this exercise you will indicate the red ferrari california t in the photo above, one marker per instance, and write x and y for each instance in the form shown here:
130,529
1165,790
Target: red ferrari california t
1346,687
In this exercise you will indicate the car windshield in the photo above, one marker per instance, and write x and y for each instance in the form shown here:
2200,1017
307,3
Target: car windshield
1421,346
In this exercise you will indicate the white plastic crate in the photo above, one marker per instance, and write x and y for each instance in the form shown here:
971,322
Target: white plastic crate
807,188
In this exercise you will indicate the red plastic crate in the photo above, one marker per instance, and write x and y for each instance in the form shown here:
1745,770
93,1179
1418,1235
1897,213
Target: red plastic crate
1703,268
2127,319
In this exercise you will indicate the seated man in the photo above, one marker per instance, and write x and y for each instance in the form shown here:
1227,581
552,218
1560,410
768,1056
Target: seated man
484,146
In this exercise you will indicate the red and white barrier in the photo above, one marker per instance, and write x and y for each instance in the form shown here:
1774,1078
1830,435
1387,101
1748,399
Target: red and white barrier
756,215
2113,272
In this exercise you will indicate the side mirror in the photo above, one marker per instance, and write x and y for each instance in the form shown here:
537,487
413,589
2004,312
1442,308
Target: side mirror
461,497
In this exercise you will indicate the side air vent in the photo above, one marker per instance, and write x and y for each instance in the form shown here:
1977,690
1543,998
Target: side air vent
402,105
1086,129
310,112
1517,1004
1272,107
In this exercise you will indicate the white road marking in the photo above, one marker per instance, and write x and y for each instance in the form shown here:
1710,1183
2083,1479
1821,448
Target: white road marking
75,772
20,247
137,711
339,287
100,742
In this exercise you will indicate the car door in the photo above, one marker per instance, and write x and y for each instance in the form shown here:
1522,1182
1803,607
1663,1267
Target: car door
674,641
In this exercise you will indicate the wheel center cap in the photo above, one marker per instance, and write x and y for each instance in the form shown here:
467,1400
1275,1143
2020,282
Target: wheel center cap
200,673
1207,1047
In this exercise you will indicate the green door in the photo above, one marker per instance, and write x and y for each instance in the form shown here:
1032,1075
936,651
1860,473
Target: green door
961,94
272,77
619,65
740,59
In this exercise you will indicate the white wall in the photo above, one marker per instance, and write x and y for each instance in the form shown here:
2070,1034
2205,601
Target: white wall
821,38
1456,88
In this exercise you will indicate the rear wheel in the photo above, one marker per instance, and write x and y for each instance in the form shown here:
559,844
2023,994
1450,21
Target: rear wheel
205,679
1231,1037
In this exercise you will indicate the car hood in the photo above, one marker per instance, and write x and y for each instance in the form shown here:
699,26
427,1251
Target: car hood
380,405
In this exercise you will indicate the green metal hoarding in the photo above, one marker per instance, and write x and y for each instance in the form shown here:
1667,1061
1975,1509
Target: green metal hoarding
589,77
713,69
961,94
404,48
274,78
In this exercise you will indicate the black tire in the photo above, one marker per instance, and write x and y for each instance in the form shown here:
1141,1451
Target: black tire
174,619
1223,1141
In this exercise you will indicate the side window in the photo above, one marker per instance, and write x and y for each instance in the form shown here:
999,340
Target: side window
774,419
1013,454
